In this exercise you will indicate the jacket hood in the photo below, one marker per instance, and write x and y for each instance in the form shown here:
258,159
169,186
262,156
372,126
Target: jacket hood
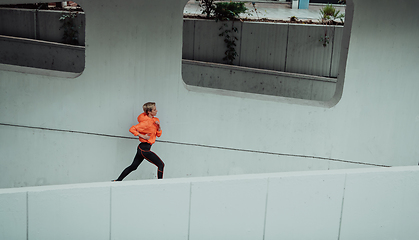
142,117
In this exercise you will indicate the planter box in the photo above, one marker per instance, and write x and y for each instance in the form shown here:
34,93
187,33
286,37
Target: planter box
294,48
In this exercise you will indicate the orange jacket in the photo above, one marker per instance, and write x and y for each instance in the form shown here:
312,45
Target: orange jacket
147,126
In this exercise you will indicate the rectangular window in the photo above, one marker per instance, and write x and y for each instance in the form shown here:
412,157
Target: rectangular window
43,36
278,57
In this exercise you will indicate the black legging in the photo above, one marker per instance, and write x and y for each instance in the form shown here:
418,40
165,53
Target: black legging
143,151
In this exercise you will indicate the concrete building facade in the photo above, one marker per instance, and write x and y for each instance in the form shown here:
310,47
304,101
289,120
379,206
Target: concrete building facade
58,128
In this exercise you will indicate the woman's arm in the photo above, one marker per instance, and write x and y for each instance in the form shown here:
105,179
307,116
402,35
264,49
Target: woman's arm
134,131
157,122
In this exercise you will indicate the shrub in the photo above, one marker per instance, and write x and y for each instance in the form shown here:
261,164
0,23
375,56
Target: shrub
71,32
229,10
329,12
207,7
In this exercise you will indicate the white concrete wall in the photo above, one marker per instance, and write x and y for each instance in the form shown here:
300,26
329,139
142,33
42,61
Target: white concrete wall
58,130
341,204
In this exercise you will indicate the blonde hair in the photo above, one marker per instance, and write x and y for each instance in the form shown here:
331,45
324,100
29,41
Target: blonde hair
148,107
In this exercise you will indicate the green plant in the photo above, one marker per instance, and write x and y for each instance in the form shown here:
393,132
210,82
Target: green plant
229,10
293,19
255,10
207,7
325,39
71,33
225,11
230,41
329,12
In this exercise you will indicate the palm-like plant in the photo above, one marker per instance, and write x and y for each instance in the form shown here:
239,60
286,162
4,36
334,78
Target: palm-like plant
329,12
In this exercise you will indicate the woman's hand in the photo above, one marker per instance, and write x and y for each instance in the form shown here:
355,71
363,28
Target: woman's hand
146,136
158,125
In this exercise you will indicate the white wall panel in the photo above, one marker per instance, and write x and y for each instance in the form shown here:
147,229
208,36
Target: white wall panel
150,210
340,204
13,215
228,209
381,205
69,213
304,207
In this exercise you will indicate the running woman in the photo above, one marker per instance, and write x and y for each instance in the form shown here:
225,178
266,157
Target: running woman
146,130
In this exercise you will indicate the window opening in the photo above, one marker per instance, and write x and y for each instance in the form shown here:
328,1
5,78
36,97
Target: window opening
277,54
49,36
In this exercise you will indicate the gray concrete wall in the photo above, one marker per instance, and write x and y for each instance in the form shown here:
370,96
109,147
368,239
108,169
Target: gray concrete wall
274,46
282,47
37,24
327,205
272,55
17,23
56,130
69,58
41,54
253,80
264,46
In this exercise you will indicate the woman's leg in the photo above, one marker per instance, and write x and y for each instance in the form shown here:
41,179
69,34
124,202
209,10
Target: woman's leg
154,159
134,165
